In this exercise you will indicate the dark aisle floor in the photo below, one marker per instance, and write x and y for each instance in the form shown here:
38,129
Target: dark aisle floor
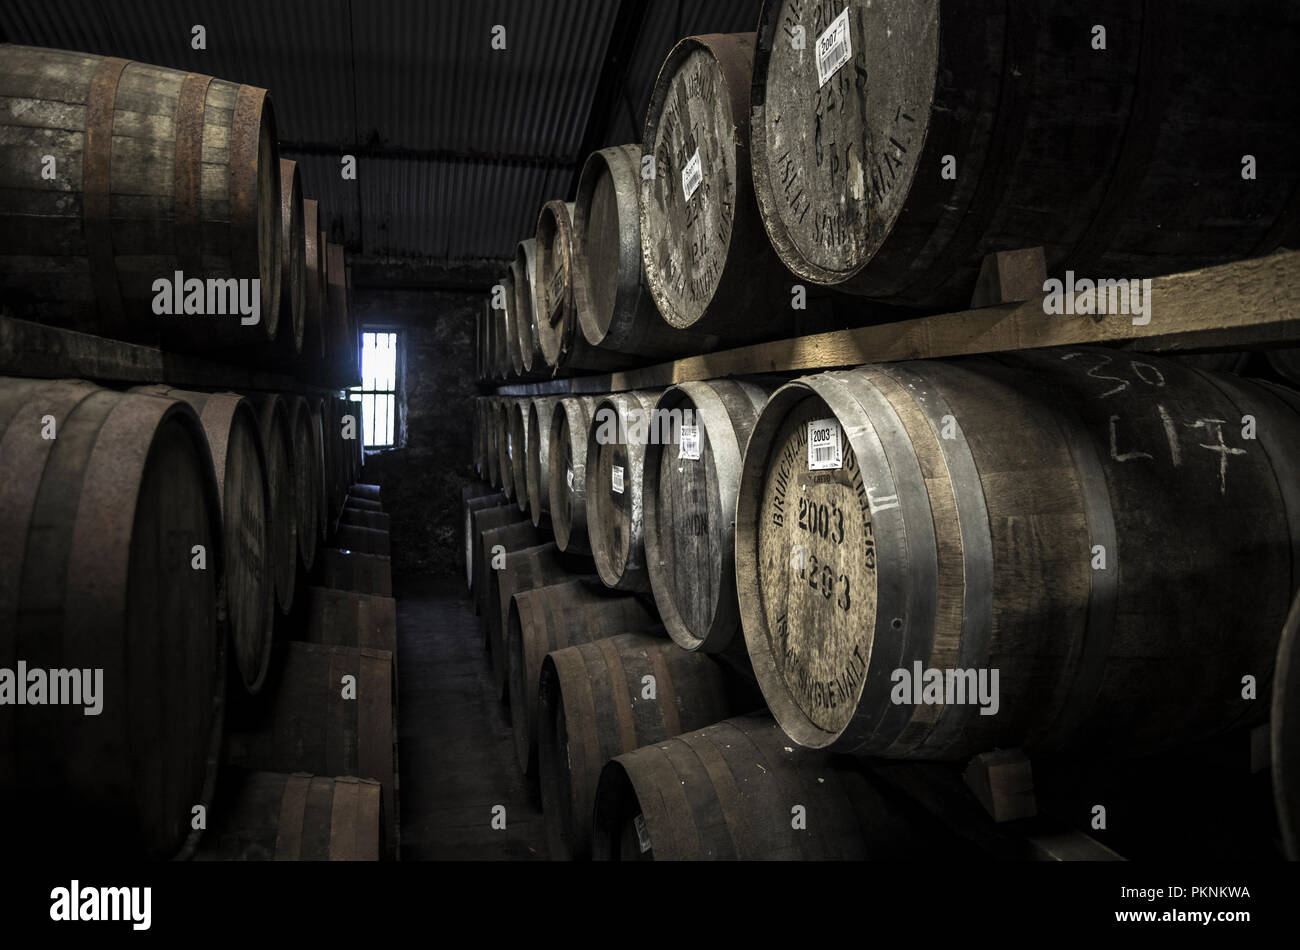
457,758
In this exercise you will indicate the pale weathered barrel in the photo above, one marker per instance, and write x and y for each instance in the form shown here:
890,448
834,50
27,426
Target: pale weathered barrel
1073,547
537,467
567,472
689,495
598,700
1285,734
157,174
279,456
293,261
317,723
707,259
235,441
345,618
505,448
554,305
896,186
106,498
273,816
621,427
551,618
736,791
615,309
306,479
494,546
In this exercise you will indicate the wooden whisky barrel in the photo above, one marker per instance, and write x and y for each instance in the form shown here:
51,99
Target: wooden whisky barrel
481,514
621,426
519,449
730,792
1097,527
1285,362
554,305
155,171
293,261
689,495
537,469
494,547
314,287
307,488
503,328
340,351
350,537
601,699
525,348
235,440
325,519
896,186
615,309
312,726
358,517
527,568
1285,734
273,816
363,573
104,497
347,618
567,472
281,475
551,618
707,259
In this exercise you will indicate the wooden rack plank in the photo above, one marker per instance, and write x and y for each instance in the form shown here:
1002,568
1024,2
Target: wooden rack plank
1241,305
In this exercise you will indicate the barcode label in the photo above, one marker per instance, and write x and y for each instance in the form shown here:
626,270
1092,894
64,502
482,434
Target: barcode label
568,477
642,833
824,450
690,443
834,48
692,175
616,477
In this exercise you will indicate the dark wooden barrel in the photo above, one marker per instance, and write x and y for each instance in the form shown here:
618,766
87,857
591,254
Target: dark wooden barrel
340,351
273,816
366,540
352,503
518,334
1285,734
311,727
707,259
615,310
234,438
1285,362
306,479
346,618
1091,524
368,492
689,496
320,429
313,337
98,529
567,472
359,517
506,447
554,305
551,618
363,573
281,476
488,498
293,261
1216,362
519,448
537,468
473,510
514,534
528,316
157,171
503,324
598,700
849,172
729,792
621,425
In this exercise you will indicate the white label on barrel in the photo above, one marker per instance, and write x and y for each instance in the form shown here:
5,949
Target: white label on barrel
824,449
690,443
834,48
642,833
568,477
616,476
692,175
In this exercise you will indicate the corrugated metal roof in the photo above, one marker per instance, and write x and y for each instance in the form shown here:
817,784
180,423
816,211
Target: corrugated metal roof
458,144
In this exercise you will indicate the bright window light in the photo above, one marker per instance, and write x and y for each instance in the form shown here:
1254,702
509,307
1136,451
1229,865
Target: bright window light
378,390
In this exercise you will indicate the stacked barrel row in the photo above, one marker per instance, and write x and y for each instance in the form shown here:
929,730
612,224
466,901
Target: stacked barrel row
1115,536
152,205
163,547
883,150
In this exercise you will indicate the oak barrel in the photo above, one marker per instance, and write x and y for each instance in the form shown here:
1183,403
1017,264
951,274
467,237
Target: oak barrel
621,426
350,537
1113,537
281,474
480,515
537,467
1285,734
567,472
363,573
472,505
520,342
1285,361
293,261
551,618
313,336
689,495
104,498
346,618
601,699
361,518
906,140
307,487
156,171
494,546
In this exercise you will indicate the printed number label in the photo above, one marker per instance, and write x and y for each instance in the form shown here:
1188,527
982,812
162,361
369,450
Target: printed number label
824,448
834,48
692,175
690,443
616,478
642,833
